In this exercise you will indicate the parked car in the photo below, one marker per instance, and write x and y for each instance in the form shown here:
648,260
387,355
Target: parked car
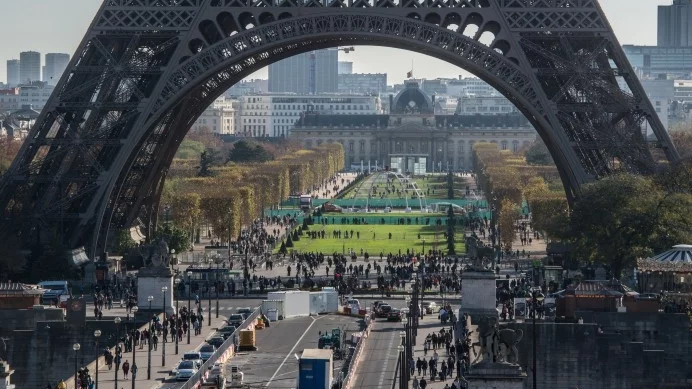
394,315
246,312
226,331
430,307
206,351
195,357
383,310
235,320
216,340
185,370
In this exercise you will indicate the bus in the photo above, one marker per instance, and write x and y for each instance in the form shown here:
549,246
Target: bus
305,202
212,274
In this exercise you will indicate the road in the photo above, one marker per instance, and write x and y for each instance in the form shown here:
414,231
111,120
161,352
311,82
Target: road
274,364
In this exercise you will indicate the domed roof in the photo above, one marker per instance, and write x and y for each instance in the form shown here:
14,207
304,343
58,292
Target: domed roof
412,100
679,253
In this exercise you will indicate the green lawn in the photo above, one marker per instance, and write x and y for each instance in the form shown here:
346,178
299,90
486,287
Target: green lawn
403,237
433,186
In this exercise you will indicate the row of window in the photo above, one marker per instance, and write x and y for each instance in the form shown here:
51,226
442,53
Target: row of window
398,146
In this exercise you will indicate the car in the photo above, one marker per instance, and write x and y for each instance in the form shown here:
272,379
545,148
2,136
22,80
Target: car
235,320
206,351
216,340
383,310
195,357
394,315
430,307
185,370
246,312
226,331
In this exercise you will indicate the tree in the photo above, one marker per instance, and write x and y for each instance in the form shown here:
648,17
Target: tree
244,152
451,221
207,160
282,249
124,241
289,241
613,220
682,139
507,217
538,154
450,186
176,238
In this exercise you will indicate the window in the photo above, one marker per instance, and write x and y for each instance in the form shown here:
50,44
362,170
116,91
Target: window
362,146
351,146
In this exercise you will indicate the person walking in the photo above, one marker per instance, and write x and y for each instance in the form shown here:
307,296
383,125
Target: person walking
155,341
415,383
419,365
134,370
126,368
423,383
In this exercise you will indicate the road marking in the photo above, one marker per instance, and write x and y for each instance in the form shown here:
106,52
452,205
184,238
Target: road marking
290,353
386,360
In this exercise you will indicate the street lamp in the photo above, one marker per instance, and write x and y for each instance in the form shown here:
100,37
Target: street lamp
400,348
134,329
404,368
151,336
97,335
217,259
534,302
76,348
164,289
424,247
189,312
117,321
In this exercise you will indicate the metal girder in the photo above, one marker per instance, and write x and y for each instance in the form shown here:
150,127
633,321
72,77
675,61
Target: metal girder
147,69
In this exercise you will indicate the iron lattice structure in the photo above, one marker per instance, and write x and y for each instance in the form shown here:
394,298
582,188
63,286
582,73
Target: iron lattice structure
146,69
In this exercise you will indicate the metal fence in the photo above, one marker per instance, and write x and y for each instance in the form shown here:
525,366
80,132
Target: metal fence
196,380
356,354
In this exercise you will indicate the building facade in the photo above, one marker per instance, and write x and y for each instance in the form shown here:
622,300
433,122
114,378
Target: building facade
484,105
273,115
35,95
345,67
220,117
674,24
414,139
13,73
29,67
56,63
9,100
308,73
362,83
653,61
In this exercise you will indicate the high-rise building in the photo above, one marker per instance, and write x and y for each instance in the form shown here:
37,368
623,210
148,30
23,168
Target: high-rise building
345,67
311,72
674,24
29,67
13,78
56,63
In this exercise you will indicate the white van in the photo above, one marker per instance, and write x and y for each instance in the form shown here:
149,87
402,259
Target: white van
54,290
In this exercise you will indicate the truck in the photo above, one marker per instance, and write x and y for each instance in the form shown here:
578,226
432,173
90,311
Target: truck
315,367
305,202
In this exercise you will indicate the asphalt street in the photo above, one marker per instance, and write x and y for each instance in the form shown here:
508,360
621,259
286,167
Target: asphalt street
274,364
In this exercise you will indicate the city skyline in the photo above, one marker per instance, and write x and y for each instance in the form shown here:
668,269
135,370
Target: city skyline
47,33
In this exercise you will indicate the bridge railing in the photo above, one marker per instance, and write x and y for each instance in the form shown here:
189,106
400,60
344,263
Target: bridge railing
222,354
353,363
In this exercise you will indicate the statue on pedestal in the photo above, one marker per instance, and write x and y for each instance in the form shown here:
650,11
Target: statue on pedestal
155,257
497,345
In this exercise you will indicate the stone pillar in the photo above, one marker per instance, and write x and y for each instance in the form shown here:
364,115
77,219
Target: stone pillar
495,375
5,373
149,283
478,299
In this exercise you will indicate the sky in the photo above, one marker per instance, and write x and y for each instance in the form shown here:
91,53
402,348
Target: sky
57,26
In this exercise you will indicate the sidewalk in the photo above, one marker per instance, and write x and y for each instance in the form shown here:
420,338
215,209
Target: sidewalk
159,372
428,325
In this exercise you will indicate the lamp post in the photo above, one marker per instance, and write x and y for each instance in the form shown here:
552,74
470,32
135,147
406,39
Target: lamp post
117,321
534,302
164,289
404,365
209,305
97,335
189,312
76,348
423,247
134,329
178,321
151,336
400,348
217,259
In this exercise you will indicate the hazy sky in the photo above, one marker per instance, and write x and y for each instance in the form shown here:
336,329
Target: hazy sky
57,26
